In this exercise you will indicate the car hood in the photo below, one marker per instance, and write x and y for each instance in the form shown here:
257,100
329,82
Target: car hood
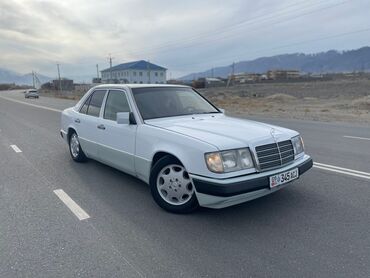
224,132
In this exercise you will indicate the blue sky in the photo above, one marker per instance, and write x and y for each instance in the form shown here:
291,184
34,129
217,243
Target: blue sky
183,36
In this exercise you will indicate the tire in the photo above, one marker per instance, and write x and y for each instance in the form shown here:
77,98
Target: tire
75,149
171,186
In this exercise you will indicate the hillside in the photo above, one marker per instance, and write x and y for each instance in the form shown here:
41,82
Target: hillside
8,76
325,62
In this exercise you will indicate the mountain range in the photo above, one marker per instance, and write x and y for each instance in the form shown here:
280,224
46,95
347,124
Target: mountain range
331,61
8,76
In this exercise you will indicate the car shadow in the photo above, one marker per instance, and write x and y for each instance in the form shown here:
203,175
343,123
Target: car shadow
128,195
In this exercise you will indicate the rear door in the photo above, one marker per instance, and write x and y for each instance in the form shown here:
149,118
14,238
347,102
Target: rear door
117,141
87,123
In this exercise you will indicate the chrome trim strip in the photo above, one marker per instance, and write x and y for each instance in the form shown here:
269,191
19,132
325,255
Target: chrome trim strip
115,149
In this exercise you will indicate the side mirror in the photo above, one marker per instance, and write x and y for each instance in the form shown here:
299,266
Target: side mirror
222,110
126,118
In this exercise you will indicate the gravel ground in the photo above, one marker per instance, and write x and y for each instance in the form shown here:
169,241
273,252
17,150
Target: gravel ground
340,100
336,100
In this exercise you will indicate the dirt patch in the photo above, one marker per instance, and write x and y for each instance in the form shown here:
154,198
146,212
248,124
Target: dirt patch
362,103
281,97
341,100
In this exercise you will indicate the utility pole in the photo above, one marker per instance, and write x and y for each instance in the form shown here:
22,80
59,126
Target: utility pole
212,73
33,79
60,80
148,68
110,65
97,70
231,78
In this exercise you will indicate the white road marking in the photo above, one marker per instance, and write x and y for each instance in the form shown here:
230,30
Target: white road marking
342,170
355,137
16,149
72,205
31,104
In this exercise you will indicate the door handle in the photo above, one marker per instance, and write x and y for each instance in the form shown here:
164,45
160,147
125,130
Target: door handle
101,126
77,121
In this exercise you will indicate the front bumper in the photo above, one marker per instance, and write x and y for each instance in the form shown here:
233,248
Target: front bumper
219,193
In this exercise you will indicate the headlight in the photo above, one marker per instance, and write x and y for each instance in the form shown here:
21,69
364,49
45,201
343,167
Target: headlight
228,161
298,144
214,162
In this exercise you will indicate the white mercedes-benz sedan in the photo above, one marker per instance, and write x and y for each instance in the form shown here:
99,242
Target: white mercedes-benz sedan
187,150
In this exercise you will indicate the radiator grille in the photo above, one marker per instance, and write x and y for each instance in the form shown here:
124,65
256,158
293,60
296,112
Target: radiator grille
275,154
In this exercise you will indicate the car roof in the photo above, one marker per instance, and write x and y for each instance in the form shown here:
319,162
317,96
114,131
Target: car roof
124,86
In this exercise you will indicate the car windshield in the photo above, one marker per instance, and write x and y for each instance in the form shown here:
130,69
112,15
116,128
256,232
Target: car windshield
163,102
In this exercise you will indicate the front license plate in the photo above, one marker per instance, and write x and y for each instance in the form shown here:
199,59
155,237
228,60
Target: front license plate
282,178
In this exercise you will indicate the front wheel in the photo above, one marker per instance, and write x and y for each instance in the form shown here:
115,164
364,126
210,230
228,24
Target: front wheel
75,148
171,186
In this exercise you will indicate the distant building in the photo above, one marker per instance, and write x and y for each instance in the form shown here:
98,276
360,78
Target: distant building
247,77
96,80
283,74
64,84
207,82
141,72
213,82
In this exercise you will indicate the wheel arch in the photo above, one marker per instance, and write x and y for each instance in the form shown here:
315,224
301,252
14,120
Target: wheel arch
160,154
70,131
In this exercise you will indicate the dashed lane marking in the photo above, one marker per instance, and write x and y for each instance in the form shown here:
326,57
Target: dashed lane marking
72,205
355,137
16,149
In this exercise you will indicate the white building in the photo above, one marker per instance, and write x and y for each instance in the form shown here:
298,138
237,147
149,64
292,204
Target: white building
141,72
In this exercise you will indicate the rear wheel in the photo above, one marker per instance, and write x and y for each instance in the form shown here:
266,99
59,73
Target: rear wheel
75,148
171,186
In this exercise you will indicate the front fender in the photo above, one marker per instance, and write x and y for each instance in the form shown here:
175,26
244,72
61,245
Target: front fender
151,140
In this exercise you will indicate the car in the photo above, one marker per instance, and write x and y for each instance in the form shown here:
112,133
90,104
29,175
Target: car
189,152
31,93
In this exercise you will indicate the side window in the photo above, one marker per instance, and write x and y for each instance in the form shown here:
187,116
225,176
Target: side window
116,102
95,103
84,107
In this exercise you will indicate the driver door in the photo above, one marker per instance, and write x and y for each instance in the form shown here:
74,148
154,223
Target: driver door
117,141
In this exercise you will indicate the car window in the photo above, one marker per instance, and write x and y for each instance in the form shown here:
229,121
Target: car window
95,103
162,102
116,102
83,109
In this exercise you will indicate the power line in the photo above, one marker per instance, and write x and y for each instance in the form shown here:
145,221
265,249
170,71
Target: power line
217,31
256,20
250,22
285,46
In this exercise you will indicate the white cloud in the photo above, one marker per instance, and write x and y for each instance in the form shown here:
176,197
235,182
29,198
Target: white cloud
183,36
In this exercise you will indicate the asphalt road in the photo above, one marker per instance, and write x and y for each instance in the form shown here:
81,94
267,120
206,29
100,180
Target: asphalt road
316,227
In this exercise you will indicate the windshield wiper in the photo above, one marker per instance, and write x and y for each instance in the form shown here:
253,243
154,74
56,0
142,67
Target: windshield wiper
212,112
